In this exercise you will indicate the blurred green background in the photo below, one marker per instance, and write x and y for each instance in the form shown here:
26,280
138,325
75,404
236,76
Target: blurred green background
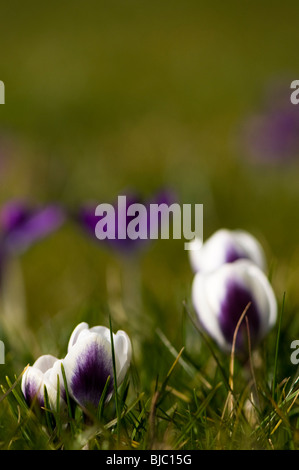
106,96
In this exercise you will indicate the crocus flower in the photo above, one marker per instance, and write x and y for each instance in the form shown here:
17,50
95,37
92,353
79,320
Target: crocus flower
271,134
221,296
226,246
22,225
121,241
88,363
43,372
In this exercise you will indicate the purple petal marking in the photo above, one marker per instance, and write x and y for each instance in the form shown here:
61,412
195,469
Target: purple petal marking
236,299
31,393
232,254
90,375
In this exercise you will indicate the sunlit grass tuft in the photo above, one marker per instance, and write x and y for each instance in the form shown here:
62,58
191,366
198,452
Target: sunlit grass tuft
199,402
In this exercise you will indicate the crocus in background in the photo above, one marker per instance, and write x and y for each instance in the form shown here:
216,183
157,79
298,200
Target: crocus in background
221,296
43,373
226,246
271,134
88,363
22,225
87,219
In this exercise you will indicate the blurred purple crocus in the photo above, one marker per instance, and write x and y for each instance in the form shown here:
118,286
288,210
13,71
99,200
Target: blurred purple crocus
123,243
271,135
22,225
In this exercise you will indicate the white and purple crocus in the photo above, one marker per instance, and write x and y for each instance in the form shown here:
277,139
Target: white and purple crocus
229,278
226,246
43,373
87,365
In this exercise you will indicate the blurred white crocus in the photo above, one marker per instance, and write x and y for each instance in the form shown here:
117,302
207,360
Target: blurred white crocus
220,297
225,246
44,372
88,362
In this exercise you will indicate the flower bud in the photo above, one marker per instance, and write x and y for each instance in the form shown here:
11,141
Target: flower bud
226,246
88,363
220,297
43,373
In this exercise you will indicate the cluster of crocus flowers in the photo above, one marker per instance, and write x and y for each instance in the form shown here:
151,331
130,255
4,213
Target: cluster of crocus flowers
22,224
88,367
229,279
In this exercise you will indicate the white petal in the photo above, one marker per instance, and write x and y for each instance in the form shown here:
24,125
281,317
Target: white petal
263,293
87,367
45,362
52,394
123,352
102,331
251,247
51,375
223,245
74,336
32,385
206,298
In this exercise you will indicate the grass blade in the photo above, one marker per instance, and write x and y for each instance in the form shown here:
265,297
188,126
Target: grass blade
103,398
277,347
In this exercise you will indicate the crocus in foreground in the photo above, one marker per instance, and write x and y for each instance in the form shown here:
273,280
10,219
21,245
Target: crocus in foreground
226,246
44,372
120,220
88,363
220,297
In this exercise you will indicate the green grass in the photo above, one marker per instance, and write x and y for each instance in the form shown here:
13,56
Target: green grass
192,402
